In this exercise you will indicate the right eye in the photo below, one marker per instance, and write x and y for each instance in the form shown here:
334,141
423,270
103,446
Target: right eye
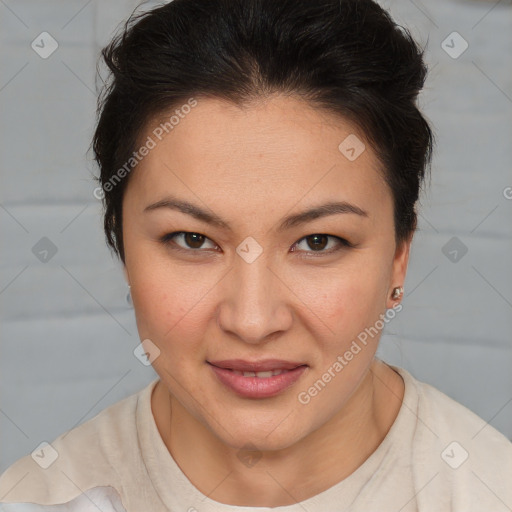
191,241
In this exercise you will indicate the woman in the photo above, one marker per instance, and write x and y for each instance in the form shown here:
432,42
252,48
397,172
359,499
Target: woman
260,166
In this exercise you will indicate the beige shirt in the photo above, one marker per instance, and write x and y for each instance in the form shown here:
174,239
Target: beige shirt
438,456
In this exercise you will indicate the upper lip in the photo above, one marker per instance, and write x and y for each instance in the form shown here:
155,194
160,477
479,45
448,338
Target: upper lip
256,366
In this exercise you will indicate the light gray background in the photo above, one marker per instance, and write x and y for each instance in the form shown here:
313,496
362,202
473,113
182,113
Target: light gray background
67,331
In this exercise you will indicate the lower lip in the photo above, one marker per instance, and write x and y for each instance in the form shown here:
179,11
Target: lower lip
256,387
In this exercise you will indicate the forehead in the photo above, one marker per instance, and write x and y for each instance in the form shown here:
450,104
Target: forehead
278,149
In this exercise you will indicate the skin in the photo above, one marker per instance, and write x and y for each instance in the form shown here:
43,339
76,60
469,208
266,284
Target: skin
253,166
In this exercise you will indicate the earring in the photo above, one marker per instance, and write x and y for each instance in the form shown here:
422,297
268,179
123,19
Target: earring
129,297
397,293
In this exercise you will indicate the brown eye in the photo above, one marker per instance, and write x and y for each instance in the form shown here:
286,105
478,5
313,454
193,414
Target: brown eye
317,243
194,240
189,241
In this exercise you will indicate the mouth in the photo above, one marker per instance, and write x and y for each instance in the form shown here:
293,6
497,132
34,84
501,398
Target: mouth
257,379
261,369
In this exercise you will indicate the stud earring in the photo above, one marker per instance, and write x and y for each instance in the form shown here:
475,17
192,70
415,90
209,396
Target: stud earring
397,293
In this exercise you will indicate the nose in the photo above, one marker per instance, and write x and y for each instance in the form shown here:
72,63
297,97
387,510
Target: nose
255,303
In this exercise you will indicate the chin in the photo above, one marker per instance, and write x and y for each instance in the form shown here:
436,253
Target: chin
261,436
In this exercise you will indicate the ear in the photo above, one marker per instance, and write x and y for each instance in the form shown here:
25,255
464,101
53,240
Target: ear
399,271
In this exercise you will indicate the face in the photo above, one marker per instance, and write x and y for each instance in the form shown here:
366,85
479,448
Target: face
227,278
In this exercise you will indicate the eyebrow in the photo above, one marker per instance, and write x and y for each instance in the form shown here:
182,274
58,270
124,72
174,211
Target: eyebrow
316,212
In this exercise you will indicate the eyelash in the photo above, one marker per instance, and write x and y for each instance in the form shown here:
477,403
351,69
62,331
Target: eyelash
167,239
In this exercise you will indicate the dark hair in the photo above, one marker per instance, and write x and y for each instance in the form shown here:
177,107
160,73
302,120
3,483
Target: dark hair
346,56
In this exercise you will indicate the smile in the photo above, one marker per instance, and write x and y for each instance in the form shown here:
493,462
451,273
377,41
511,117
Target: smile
262,379
260,375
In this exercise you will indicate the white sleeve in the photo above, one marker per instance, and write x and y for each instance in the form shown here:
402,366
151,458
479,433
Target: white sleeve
106,499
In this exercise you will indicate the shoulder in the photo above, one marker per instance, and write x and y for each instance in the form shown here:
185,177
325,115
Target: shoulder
449,417
100,452
459,454
106,499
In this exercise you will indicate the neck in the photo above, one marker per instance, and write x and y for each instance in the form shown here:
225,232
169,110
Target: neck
283,477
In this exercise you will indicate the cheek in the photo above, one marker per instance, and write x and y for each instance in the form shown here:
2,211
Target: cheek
156,308
343,299
170,304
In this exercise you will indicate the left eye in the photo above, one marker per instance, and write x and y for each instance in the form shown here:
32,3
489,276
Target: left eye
318,242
